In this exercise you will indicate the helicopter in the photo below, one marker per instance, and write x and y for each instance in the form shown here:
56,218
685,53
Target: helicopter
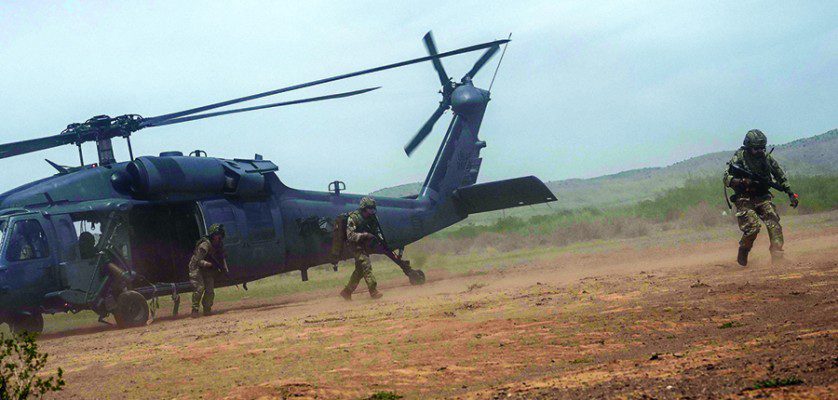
151,210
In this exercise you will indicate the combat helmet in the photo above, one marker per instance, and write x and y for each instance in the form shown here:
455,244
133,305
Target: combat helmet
367,202
216,229
755,139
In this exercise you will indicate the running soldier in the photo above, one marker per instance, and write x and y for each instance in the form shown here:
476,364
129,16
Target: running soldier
752,198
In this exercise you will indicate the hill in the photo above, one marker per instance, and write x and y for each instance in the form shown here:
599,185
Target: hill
816,155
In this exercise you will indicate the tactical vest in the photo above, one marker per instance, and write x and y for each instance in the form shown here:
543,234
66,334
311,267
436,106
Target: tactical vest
757,165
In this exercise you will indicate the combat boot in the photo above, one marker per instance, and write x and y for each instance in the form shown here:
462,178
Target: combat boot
346,294
207,311
375,294
742,258
194,313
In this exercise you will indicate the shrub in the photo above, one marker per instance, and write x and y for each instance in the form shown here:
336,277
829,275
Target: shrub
20,370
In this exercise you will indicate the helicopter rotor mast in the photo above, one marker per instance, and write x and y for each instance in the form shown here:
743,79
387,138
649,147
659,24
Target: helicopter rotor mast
103,128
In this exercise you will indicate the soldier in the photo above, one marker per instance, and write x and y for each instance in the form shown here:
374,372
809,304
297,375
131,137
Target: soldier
361,227
208,257
753,200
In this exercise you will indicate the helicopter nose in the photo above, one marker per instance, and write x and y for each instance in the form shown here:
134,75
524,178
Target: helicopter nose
468,99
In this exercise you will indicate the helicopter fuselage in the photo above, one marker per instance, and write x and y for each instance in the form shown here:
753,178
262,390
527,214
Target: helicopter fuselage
270,227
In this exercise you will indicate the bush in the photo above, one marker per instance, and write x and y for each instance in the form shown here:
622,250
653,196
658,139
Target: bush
20,370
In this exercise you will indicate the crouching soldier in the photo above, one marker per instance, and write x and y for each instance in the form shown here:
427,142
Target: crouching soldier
361,227
206,260
752,198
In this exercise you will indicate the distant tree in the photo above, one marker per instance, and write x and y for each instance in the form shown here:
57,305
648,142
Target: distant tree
20,369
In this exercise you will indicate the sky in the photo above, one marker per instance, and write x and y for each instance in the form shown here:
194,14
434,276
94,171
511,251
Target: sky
585,88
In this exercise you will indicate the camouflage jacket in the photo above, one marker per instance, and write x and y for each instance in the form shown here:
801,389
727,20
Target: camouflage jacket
356,224
204,250
764,166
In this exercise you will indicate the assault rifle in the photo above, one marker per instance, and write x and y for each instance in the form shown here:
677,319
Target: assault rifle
740,172
416,276
220,265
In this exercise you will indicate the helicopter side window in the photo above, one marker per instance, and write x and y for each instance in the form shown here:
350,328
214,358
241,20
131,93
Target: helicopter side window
27,241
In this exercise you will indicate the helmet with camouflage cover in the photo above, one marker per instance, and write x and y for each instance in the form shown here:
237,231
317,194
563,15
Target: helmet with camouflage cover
367,202
755,139
216,229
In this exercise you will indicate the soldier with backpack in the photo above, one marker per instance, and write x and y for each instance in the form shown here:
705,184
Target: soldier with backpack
361,228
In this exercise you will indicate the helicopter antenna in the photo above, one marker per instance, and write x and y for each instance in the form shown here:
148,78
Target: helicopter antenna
499,61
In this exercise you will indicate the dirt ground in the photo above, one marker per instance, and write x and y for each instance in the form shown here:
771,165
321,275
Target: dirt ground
635,322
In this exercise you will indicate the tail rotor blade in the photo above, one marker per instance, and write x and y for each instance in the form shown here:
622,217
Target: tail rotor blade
431,46
426,129
262,107
481,62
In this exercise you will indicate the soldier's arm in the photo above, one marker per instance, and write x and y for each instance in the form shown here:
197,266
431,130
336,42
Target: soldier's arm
728,178
201,255
352,230
778,173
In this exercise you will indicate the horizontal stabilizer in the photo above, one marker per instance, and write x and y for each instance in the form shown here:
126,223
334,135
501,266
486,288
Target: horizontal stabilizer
498,195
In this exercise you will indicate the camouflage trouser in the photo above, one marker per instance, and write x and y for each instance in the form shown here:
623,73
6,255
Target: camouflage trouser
363,269
203,279
748,213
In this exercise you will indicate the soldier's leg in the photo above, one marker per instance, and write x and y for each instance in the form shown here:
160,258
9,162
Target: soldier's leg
749,225
209,290
357,274
369,278
198,283
768,213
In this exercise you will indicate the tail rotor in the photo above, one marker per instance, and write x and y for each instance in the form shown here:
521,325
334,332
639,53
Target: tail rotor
448,87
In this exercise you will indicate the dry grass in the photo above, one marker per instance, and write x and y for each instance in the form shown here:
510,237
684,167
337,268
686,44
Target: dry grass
582,231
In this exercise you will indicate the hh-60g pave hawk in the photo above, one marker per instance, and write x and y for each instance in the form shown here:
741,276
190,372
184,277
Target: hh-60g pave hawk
150,211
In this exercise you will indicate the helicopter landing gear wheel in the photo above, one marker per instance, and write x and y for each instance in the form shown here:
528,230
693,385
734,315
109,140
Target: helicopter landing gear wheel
32,323
416,277
131,310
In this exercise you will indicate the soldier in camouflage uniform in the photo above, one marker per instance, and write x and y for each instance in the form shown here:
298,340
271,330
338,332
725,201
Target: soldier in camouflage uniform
206,260
753,200
361,227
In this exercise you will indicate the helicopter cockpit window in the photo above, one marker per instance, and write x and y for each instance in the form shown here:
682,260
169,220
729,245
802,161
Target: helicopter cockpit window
27,241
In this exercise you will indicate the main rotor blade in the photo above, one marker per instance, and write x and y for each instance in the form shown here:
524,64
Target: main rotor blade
284,103
156,120
481,62
431,46
426,129
31,145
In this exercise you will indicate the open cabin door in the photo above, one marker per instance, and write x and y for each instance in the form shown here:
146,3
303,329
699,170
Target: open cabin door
255,246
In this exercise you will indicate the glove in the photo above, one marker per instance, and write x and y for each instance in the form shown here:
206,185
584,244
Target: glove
793,198
366,236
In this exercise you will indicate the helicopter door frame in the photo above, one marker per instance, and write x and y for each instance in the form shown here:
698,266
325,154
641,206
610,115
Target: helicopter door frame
35,275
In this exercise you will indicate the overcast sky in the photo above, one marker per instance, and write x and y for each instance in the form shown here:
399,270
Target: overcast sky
585,88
